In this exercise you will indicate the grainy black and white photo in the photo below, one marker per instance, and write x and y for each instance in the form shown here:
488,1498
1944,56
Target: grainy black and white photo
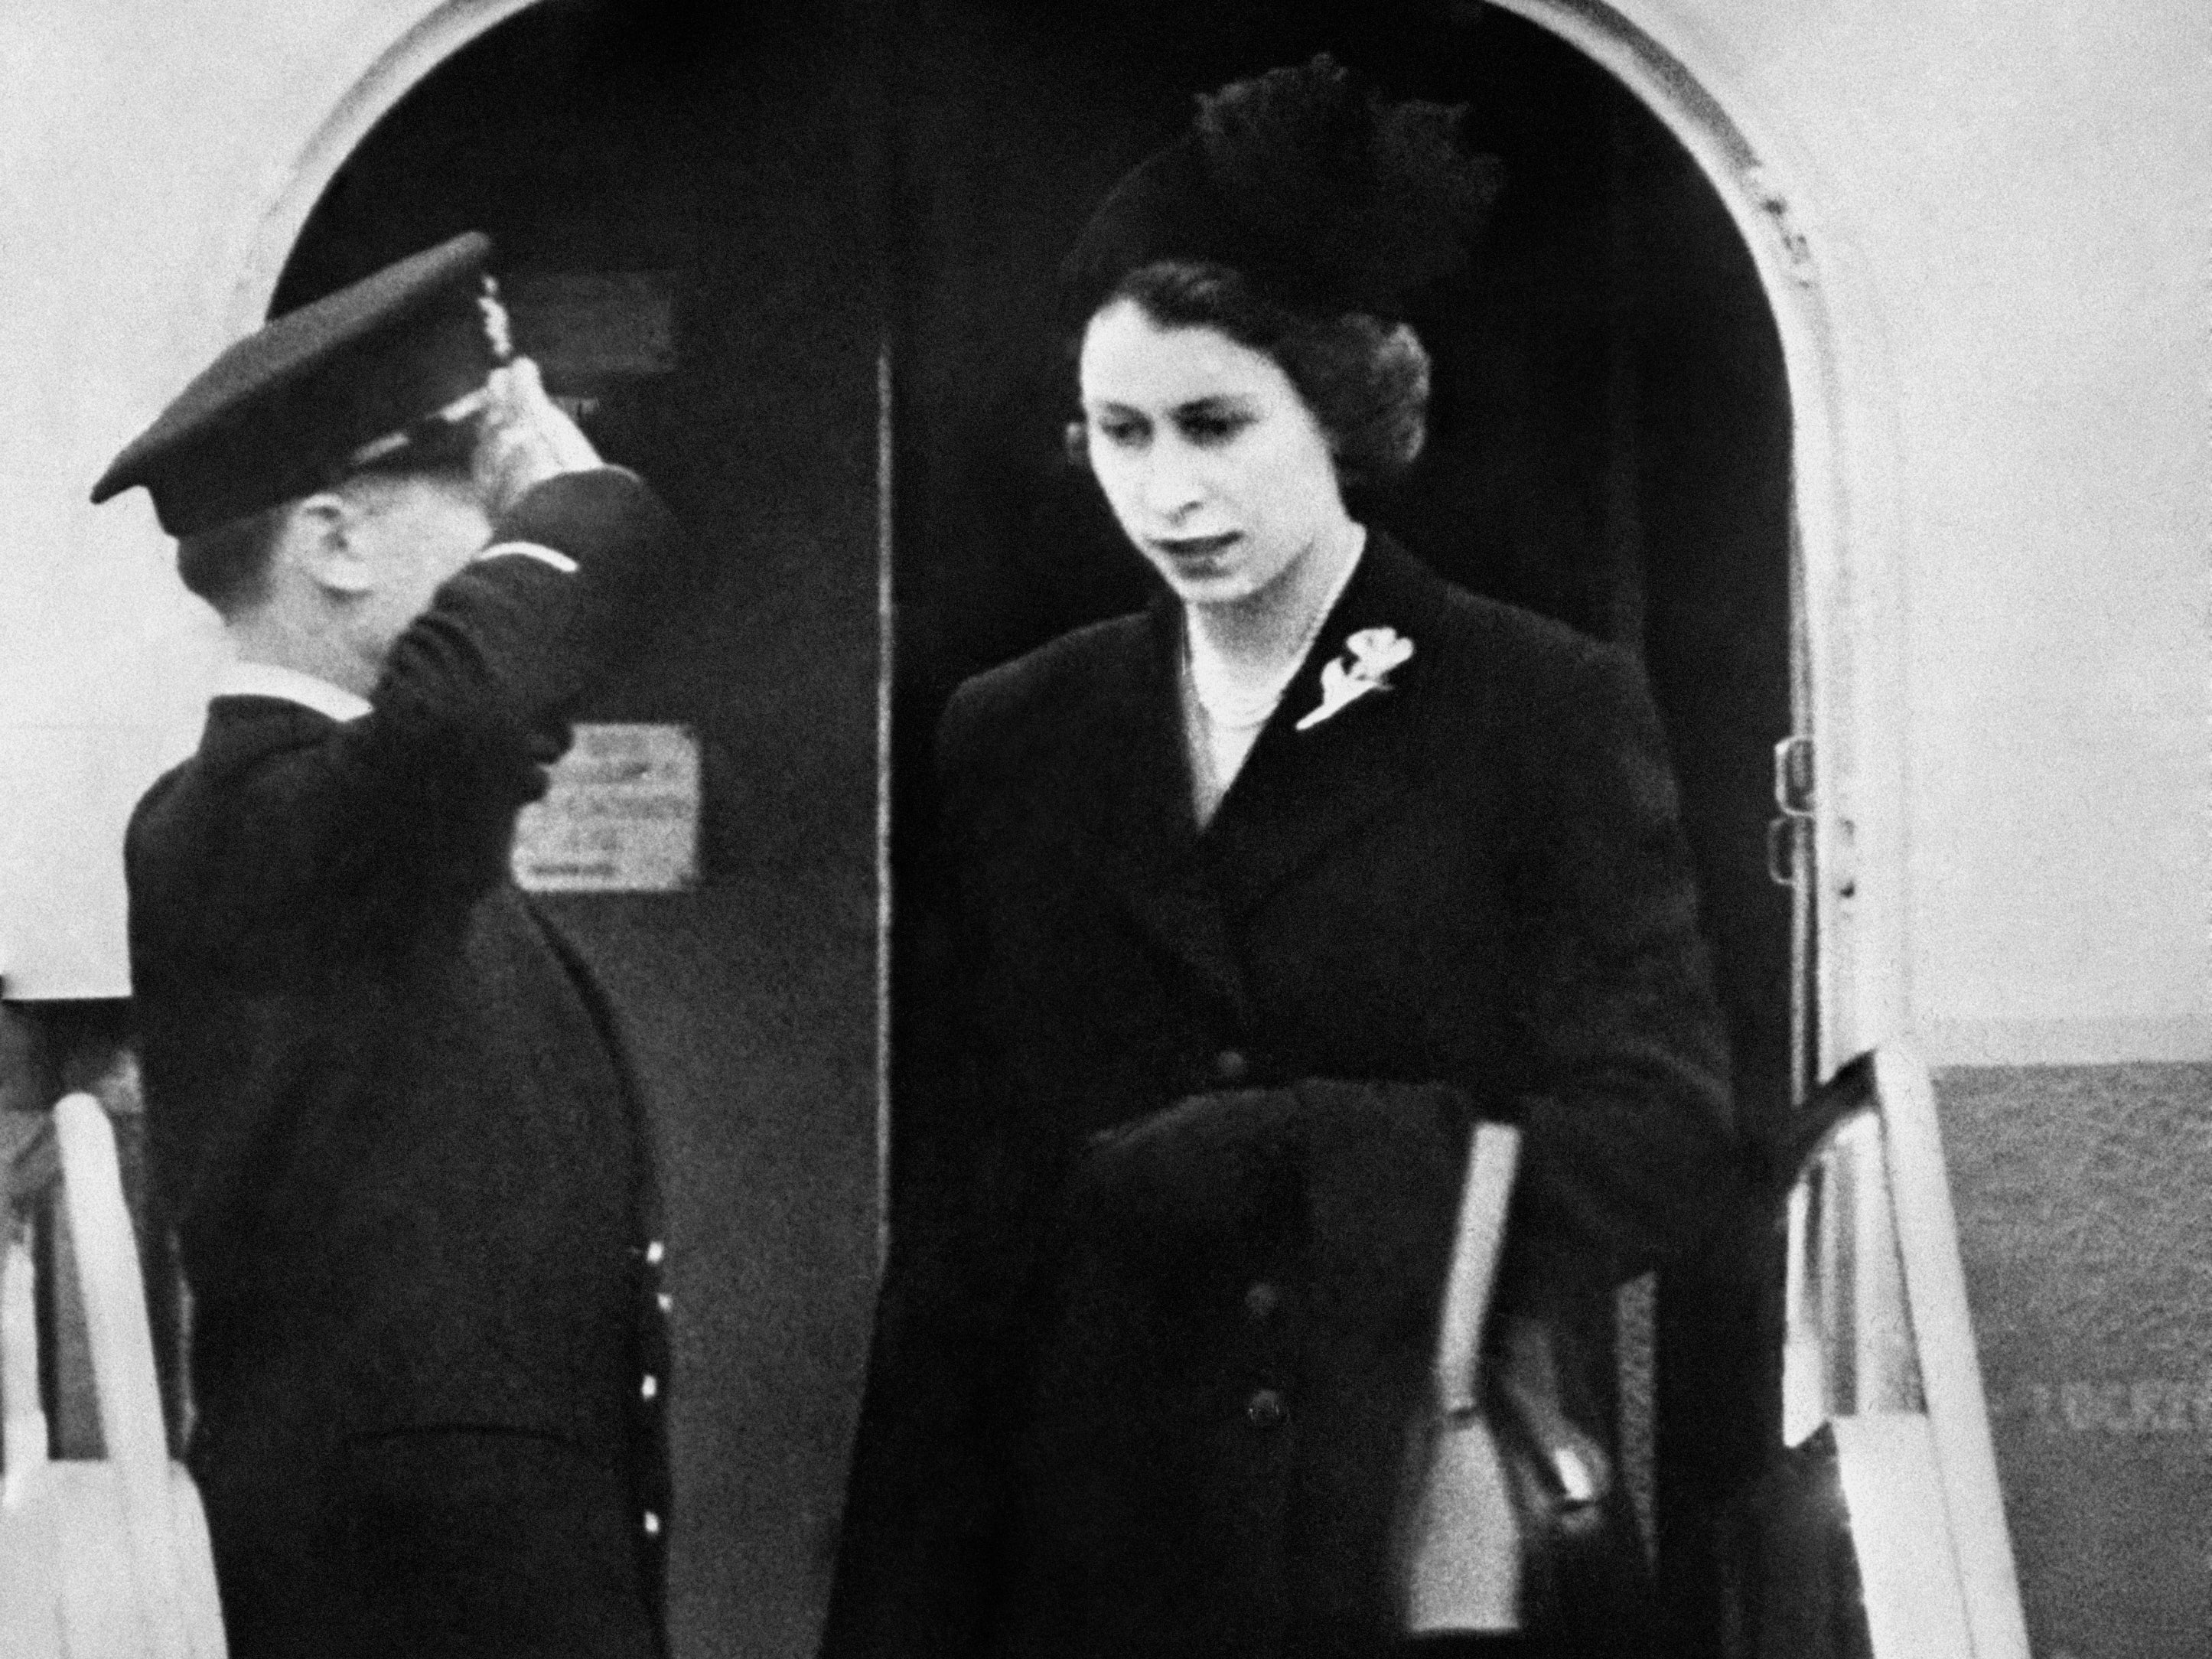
975,830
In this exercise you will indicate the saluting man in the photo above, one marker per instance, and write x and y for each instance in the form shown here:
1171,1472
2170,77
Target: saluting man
389,1118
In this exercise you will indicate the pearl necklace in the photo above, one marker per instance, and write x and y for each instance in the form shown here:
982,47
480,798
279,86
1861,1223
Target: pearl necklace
1230,703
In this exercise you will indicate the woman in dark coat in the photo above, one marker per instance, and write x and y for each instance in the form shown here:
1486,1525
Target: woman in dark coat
1248,903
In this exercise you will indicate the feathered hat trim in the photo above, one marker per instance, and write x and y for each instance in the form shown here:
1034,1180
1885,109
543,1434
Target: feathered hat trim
1326,198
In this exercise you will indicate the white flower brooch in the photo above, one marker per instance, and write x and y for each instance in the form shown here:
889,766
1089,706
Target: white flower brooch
1369,655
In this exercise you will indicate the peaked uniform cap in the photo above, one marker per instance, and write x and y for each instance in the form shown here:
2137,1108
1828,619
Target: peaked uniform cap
283,411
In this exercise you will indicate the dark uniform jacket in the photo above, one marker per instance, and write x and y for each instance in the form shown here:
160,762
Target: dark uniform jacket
1142,1384
389,1121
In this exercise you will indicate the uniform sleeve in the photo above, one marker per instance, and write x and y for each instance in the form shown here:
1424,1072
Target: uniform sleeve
512,639
1629,1154
422,791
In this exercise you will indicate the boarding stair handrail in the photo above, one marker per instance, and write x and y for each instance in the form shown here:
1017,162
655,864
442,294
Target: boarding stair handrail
1879,1353
159,1601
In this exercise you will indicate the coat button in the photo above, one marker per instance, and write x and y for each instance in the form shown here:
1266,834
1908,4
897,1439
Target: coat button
1232,1065
652,1524
654,1253
648,1386
1265,1409
1260,1301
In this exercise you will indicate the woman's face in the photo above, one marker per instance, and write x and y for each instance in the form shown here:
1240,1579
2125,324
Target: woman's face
1210,459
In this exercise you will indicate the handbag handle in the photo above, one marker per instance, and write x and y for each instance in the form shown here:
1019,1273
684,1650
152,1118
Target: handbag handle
1493,1152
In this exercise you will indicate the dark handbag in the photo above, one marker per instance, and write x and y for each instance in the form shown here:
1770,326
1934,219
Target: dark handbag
1509,1524
1583,1572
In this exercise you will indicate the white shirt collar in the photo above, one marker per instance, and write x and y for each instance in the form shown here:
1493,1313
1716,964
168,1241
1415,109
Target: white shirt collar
267,679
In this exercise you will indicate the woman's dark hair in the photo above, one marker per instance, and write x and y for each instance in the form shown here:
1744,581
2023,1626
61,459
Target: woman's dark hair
1366,381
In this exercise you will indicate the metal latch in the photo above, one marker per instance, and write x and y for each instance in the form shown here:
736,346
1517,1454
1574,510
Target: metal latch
1793,794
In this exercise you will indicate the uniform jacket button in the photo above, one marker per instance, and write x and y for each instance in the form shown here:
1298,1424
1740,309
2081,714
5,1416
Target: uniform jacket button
1261,1298
1265,1409
1232,1065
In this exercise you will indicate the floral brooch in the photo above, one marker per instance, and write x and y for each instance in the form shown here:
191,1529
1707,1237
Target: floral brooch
1368,657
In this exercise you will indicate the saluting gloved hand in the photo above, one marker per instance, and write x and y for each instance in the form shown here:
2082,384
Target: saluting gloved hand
525,438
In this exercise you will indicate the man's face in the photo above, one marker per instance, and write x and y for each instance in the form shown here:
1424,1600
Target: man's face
413,531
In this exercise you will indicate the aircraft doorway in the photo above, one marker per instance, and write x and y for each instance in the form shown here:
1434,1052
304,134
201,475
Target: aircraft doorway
1611,444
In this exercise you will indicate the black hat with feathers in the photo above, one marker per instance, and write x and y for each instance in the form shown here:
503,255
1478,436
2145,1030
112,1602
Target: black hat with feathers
1324,197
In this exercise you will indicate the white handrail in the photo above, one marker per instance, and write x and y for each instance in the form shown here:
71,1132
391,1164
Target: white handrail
1943,1342
25,1444
121,1346
1879,1343
116,1328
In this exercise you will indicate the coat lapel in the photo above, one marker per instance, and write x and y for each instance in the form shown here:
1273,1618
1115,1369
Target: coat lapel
1149,852
1301,791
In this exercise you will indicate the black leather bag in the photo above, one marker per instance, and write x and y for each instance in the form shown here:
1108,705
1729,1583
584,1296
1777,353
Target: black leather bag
1511,1520
1583,1579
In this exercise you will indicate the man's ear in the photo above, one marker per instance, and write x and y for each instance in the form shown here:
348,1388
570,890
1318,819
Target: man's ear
323,542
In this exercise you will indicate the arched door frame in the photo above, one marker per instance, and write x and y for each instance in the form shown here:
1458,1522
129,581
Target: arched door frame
1844,445
370,65
1848,652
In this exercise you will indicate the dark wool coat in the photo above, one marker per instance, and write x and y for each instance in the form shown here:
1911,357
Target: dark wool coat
391,1129
1141,1385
